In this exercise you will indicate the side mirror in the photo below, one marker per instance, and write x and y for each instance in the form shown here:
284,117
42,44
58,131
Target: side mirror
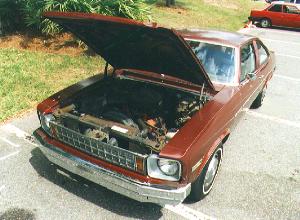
252,76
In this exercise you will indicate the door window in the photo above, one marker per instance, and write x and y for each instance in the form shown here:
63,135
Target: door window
262,53
275,8
247,61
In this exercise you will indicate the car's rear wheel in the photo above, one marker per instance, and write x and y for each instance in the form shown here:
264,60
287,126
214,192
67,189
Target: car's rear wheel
265,23
259,99
204,183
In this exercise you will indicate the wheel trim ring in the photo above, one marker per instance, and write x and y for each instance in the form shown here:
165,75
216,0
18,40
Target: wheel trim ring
206,191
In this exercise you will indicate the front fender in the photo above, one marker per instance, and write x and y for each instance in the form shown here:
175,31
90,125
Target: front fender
198,166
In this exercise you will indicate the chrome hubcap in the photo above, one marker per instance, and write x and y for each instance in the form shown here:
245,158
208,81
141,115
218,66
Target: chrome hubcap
264,23
211,171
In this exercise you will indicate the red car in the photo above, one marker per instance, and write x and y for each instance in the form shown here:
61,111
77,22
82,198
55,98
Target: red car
152,128
277,14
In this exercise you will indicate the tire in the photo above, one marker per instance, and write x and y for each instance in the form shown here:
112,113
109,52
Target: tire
259,99
205,181
265,23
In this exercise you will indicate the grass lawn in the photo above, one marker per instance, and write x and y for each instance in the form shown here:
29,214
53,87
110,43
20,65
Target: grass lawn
27,77
219,14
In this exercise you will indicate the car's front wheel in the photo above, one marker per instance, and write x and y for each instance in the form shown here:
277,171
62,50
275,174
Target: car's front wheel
259,99
204,183
265,23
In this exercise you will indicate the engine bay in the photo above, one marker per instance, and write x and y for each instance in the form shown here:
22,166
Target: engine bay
132,115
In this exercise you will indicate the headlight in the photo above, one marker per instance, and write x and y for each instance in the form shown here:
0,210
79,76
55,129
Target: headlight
163,168
45,120
168,167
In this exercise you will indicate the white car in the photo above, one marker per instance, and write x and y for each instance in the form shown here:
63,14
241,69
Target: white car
287,1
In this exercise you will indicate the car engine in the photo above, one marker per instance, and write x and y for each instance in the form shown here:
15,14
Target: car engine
132,115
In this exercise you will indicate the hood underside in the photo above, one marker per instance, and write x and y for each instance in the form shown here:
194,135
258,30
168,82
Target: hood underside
129,44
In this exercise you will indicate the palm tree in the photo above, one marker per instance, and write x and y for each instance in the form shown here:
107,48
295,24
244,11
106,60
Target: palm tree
170,2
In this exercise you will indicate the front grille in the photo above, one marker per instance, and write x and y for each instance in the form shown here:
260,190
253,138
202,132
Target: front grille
94,147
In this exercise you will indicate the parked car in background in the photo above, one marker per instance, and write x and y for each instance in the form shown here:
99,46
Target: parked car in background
154,127
270,1
287,1
277,14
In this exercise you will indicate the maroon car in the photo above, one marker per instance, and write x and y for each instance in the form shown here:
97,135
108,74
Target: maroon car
153,126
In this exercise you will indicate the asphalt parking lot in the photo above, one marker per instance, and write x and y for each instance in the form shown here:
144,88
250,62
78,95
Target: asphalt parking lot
259,178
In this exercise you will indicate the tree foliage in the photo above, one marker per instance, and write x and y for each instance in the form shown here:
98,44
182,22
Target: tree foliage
170,2
9,15
31,10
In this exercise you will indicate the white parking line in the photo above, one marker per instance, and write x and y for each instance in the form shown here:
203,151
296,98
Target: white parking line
2,188
9,155
187,212
19,133
287,77
263,31
13,129
275,119
286,55
9,142
280,41
286,32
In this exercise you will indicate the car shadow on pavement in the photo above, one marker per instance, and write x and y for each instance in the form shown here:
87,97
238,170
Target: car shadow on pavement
92,192
286,29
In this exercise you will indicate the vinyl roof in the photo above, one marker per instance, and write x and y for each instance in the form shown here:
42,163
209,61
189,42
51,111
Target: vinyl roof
230,38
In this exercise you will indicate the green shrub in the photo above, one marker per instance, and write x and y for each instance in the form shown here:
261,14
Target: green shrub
33,10
9,15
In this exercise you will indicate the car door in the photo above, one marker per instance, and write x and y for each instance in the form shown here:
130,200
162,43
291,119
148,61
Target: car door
274,13
291,16
262,57
248,70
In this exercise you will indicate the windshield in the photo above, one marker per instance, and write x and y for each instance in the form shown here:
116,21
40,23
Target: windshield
217,60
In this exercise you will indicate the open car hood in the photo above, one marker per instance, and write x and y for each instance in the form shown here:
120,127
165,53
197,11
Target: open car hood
129,44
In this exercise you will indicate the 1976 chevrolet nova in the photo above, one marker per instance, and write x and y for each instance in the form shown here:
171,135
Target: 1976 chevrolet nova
153,127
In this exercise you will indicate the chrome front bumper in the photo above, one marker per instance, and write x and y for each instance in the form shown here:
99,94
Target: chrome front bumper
123,185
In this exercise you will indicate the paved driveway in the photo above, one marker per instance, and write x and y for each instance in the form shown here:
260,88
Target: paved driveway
259,178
